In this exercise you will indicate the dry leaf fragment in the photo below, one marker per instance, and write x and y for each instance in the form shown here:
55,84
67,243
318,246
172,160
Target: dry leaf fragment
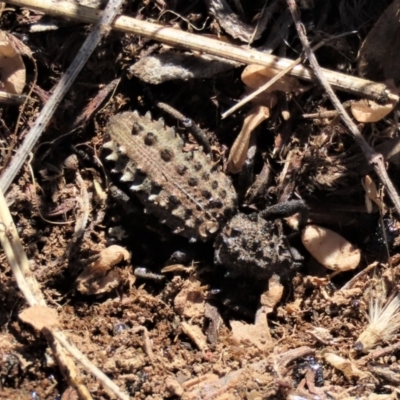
215,321
238,153
347,367
13,72
259,334
39,316
294,308
372,194
321,334
111,256
70,394
98,278
369,111
190,301
177,268
195,333
255,76
330,249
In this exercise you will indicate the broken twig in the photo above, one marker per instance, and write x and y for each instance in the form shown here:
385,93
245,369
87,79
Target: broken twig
100,29
374,159
263,88
177,38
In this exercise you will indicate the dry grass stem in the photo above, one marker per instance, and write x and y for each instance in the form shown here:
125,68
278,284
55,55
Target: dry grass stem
177,38
97,33
378,353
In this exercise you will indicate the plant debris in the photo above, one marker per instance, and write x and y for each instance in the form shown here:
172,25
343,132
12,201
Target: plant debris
384,322
238,300
170,65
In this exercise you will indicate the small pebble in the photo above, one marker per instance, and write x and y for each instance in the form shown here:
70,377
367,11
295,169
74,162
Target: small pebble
144,273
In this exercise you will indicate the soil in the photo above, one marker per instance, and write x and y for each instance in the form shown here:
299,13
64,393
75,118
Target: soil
181,326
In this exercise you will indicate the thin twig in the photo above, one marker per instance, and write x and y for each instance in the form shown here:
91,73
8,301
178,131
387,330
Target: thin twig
374,159
268,84
14,139
261,89
12,99
100,29
321,115
194,42
29,286
82,359
198,133
378,353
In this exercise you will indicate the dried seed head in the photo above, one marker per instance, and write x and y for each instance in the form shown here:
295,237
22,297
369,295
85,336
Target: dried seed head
384,322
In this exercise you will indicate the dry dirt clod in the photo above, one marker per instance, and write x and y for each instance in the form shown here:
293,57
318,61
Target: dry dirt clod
173,387
39,316
170,65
